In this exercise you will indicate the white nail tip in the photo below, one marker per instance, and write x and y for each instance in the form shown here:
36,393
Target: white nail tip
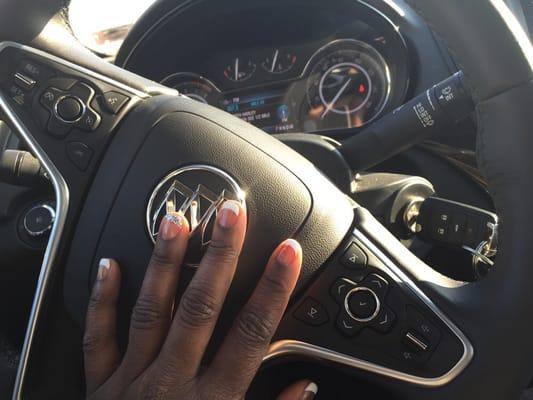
232,206
312,387
294,244
105,263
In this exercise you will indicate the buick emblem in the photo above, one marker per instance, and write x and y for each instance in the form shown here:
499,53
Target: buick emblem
196,191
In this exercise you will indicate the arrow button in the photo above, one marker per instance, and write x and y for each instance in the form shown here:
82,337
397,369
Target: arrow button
384,321
340,288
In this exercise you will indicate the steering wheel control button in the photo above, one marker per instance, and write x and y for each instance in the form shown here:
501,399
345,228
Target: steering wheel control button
311,312
24,82
39,220
34,70
415,342
362,304
18,95
340,289
347,325
377,284
354,257
89,121
57,128
69,109
418,323
384,321
49,97
79,154
114,101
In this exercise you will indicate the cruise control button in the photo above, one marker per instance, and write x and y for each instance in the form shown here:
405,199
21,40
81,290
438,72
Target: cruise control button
114,101
363,304
69,109
79,154
340,289
311,312
384,321
354,257
18,95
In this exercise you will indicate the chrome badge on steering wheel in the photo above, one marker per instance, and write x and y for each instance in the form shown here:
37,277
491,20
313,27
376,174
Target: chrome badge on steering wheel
196,191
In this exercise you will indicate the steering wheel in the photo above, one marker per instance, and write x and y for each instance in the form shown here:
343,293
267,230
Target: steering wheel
119,149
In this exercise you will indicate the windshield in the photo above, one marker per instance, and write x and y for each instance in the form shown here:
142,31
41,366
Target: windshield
102,25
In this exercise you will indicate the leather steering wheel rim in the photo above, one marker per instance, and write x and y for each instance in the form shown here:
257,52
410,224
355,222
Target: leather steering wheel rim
497,59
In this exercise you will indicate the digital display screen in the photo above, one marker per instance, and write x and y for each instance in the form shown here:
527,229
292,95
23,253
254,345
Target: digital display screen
268,111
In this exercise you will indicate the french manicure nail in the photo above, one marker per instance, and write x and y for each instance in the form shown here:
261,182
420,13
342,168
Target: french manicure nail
229,214
310,391
289,252
103,268
171,225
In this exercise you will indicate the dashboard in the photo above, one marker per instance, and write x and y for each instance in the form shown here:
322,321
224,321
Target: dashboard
312,68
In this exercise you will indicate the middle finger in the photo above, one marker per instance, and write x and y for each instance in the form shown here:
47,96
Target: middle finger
202,301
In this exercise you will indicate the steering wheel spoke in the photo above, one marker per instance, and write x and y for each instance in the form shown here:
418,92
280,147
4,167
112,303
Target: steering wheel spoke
65,115
364,312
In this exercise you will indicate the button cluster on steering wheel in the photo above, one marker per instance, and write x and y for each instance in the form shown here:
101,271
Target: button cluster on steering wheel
362,305
70,109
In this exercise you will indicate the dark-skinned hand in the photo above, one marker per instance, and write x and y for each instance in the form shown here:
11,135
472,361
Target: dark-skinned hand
165,348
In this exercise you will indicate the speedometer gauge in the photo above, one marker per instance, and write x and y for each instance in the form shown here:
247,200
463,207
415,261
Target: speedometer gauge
348,86
194,86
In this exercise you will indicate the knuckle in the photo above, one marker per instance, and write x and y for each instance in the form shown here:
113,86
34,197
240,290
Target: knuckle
254,330
221,252
91,342
96,301
197,307
160,258
147,313
275,285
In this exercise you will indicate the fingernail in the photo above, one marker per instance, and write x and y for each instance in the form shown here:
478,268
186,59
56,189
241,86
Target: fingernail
103,268
171,225
289,252
229,214
310,391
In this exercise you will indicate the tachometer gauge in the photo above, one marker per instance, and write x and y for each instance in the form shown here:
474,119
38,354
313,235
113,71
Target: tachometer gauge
348,86
279,62
240,69
194,86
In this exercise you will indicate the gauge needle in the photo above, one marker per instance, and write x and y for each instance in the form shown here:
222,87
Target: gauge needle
274,60
339,94
237,69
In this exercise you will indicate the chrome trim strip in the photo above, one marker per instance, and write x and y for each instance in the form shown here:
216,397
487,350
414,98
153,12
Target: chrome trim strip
293,347
62,200
61,191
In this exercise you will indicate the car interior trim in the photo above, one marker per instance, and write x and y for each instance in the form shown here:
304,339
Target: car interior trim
285,348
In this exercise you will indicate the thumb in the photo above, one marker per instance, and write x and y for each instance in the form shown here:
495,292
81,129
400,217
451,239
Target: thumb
301,390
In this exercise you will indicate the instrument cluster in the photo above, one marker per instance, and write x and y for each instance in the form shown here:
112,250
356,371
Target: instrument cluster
333,85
